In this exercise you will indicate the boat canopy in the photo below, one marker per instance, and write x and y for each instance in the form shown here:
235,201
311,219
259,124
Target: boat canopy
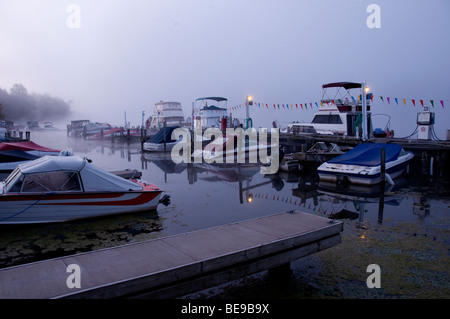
345,85
368,154
53,170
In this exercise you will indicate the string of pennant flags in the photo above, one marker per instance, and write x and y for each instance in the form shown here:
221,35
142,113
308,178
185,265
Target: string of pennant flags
310,105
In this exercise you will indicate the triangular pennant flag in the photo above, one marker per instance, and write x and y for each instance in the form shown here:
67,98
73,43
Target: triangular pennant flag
274,107
396,101
432,103
306,105
442,103
371,97
296,105
381,99
310,104
421,102
404,101
301,105
414,102
317,105
389,102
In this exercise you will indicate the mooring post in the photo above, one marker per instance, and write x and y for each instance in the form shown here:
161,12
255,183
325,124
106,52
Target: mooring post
383,166
164,133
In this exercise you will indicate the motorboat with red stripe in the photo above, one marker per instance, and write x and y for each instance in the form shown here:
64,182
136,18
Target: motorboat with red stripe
63,188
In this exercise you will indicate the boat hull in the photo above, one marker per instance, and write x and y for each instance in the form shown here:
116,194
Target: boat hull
61,207
361,175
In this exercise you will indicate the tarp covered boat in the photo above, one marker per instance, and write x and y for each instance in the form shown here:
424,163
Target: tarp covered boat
362,164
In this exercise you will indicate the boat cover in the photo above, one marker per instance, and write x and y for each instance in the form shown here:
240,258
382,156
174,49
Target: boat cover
25,146
368,154
158,138
93,178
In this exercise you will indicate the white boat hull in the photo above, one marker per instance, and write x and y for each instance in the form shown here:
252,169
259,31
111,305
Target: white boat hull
362,175
52,207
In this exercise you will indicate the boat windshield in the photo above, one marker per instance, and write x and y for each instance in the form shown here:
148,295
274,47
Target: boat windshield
57,181
327,119
12,179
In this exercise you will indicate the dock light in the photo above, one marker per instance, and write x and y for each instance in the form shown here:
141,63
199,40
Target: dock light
367,89
250,100
250,198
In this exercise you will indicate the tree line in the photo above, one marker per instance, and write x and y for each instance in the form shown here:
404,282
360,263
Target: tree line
19,105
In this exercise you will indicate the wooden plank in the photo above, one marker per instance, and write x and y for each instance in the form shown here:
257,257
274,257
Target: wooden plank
125,270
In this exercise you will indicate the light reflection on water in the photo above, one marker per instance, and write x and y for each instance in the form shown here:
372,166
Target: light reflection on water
204,196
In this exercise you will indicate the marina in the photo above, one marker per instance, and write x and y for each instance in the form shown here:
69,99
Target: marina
408,221
195,152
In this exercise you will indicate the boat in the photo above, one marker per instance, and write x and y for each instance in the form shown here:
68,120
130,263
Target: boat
64,188
213,115
362,164
161,141
320,152
340,114
169,113
226,149
15,153
86,128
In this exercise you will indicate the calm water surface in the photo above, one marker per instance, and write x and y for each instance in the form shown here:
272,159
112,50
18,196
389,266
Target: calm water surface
405,232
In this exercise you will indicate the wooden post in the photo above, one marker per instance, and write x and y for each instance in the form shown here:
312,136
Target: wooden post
383,166
164,133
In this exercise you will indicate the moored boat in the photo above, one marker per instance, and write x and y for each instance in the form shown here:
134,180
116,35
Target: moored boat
362,164
63,188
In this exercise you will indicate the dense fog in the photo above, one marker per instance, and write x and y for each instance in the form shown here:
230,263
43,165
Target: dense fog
19,105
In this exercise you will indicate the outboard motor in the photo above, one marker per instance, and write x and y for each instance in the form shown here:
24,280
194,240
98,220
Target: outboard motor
165,200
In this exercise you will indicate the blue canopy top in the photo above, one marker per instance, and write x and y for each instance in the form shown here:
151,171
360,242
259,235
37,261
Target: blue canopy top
368,154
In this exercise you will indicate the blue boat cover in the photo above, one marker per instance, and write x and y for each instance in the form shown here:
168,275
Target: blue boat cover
368,154
158,138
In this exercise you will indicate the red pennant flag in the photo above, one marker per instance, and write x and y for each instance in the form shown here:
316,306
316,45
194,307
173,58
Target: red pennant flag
296,105
302,105
421,102
414,102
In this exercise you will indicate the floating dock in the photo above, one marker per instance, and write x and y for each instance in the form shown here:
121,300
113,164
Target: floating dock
177,265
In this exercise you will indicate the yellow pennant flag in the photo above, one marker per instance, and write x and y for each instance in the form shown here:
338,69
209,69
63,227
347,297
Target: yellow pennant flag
404,101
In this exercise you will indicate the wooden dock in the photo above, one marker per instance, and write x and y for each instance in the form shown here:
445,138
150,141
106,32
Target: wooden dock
177,265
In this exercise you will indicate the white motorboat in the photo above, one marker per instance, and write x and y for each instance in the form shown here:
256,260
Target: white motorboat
362,164
63,188
340,114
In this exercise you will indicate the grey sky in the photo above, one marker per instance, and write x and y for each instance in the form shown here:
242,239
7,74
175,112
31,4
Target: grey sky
128,55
